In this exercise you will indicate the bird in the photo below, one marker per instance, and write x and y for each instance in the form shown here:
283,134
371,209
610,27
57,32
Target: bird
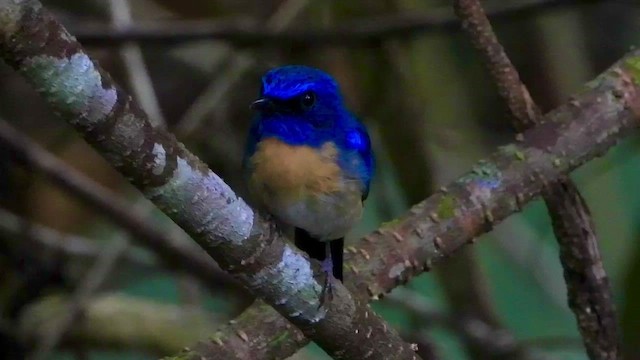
309,163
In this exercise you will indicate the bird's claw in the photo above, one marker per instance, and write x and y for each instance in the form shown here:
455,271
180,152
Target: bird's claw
326,295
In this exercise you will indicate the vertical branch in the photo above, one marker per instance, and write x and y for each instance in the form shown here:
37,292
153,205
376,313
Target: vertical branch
589,291
137,72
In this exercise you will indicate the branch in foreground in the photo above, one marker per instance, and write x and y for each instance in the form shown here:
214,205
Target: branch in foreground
604,112
242,242
357,32
589,291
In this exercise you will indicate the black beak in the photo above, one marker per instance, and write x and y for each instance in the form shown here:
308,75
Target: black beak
261,104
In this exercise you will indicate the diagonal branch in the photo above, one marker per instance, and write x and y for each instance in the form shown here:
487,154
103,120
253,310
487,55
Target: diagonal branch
606,110
242,242
360,32
214,94
176,254
589,291
71,248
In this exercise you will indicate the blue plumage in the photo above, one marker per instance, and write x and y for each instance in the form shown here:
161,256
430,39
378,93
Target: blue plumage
308,159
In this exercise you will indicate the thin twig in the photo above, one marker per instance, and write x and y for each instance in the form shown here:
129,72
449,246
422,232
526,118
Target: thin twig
175,252
211,97
137,72
59,245
498,343
589,291
81,297
356,32
218,89
536,258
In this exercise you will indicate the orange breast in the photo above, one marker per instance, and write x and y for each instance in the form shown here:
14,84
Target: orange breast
283,172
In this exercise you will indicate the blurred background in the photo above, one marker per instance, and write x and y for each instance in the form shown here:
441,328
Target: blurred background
432,112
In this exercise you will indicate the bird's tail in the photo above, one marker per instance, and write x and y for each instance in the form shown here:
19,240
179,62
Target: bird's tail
317,250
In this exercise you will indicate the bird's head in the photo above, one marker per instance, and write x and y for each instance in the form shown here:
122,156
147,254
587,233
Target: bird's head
300,97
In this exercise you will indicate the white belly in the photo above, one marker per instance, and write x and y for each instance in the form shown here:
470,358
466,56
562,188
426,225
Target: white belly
325,217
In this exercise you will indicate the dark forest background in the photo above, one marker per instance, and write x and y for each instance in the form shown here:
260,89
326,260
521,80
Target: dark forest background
432,111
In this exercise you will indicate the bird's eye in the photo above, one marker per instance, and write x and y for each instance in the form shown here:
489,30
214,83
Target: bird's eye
307,100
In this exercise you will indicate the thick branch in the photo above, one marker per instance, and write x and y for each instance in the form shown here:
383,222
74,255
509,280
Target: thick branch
588,288
356,32
605,111
183,187
589,292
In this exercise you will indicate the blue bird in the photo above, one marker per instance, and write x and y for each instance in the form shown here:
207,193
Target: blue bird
309,162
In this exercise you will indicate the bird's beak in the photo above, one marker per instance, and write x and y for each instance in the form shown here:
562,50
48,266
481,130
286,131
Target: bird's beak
261,104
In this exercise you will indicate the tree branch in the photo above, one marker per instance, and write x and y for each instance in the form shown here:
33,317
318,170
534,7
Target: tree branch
211,97
242,242
70,248
134,64
607,109
112,322
178,254
356,32
497,343
589,292
80,299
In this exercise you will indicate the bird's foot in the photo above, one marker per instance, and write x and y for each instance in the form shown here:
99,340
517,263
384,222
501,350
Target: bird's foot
326,295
